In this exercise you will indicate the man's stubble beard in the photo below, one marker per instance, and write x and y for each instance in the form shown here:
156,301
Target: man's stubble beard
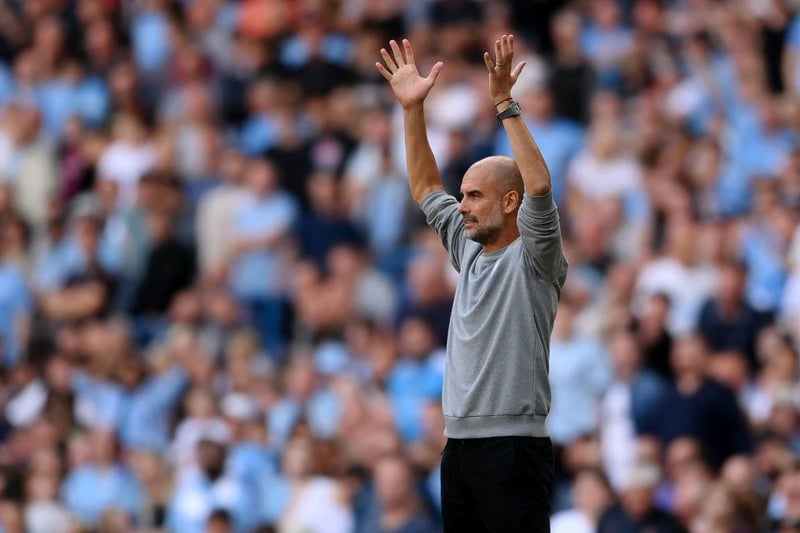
486,232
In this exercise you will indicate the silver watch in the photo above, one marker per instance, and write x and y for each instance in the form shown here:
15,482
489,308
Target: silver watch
513,110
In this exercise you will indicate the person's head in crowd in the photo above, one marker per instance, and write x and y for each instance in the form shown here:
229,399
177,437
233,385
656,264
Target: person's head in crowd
776,357
690,491
427,282
625,354
299,460
566,34
592,493
323,194
345,261
300,379
739,474
159,226
639,489
261,178
130,372
200,404
773,457
690,359
211,456
186,308
219,521
605,140
648,450
100,45
784,419
416,338
583,452
231,166
395,485
681,456
789,493
48,42
87,227
104,447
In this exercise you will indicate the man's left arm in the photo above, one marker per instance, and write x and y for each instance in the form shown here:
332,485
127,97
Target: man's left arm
538,218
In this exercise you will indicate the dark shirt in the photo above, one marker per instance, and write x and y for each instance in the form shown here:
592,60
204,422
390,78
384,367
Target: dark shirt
737,332
418,523
170,268
711,415
318,235
616,520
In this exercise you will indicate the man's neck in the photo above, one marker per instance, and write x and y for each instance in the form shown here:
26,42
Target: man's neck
506,237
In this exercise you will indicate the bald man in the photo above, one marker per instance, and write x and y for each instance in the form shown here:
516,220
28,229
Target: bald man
504,239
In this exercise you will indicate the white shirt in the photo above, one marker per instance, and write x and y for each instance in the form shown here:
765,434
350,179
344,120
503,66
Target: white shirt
599,180
572,521
125,163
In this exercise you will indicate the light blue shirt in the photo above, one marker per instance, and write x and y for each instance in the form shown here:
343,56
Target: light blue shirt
89,491
145,413
559,141
322,412
410,385
151,41
579,374
256,274
15,304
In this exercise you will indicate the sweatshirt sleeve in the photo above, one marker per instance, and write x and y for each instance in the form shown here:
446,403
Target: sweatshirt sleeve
441,211
541,236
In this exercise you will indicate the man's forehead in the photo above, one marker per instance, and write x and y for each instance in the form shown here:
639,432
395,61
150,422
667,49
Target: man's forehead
477,177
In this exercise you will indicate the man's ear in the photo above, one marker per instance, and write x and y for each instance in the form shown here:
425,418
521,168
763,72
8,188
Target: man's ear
511,202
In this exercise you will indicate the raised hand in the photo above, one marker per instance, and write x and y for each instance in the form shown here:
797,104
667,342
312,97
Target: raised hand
400,71
501,77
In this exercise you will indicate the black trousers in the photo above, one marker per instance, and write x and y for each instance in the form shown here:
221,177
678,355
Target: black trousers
497,485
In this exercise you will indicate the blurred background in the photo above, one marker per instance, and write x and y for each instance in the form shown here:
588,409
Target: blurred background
220,311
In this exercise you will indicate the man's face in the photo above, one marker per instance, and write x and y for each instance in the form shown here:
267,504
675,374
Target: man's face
481,206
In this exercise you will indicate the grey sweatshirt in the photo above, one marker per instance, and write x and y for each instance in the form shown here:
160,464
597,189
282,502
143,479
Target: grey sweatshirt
498,346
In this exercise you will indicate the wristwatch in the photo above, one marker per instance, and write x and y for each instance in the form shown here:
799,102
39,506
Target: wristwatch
513,110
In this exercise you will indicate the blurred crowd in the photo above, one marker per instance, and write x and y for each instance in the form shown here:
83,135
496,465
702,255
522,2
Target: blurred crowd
221,312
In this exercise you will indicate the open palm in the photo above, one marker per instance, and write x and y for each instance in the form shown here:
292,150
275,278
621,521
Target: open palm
401,72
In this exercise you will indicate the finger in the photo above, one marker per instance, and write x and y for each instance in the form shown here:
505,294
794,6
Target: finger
437,68
507,47
498,53
510,46
388,59
488,61
385,73
398,54
517,70
409,52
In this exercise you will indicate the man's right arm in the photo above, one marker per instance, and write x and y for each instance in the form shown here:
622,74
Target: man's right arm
423,174
411,89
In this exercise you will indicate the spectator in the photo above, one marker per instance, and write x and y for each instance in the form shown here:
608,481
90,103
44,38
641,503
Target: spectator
592,495
636,510
102,483
204,488
579,376
699,407
262,222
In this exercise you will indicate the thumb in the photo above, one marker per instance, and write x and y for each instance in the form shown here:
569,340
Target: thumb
518,70
437,68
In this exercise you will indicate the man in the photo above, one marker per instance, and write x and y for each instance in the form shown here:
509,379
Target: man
504,239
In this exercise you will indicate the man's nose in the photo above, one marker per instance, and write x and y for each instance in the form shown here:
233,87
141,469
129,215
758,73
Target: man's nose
462,207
